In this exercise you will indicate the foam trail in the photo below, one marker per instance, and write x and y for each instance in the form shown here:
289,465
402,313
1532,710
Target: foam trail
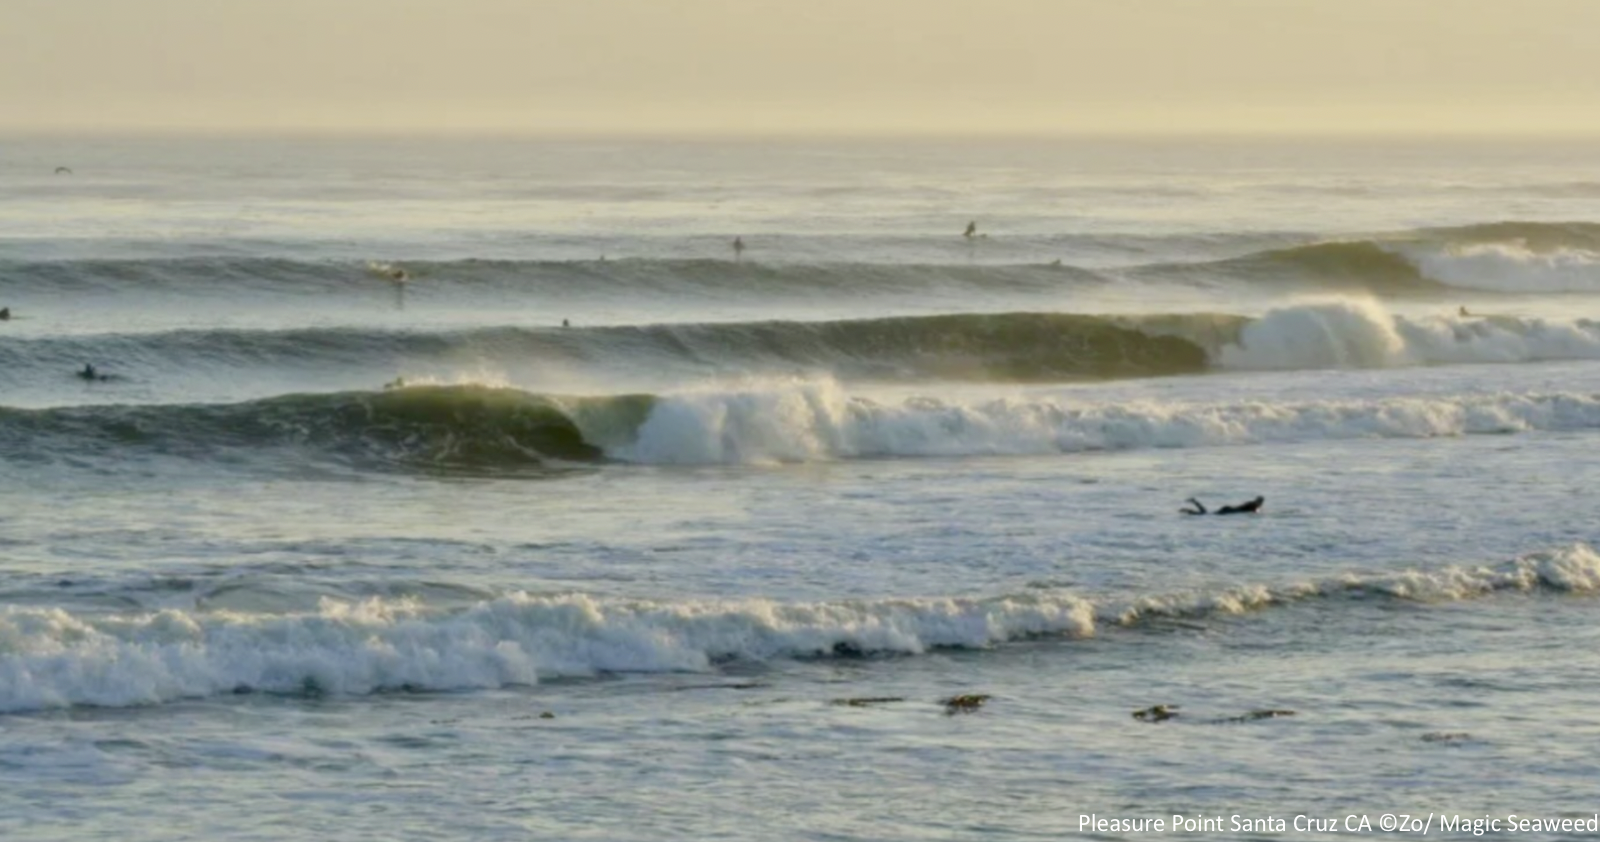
52,658
818,421
1361,333
1512,267
49,658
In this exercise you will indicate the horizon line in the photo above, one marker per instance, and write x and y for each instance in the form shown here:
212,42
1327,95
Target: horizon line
759,135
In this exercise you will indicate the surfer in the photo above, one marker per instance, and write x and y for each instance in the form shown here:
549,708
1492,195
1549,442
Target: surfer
5,314
88,373
1464,312
1247,507
397,383
565,323
972,230
63,171
738,247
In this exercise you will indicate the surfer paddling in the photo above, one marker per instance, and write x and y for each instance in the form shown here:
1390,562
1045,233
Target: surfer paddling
1248,507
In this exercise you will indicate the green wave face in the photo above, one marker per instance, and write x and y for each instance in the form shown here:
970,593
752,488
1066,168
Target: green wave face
1002,347
460,428
999,347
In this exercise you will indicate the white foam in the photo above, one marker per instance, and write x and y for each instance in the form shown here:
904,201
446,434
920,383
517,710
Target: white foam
1355,333
818,421
52,658
1572,569
49,658
1510,267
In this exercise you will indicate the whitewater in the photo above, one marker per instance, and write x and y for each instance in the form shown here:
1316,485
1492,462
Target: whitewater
480,489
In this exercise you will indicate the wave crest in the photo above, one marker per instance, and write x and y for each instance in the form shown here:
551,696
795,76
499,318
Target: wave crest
1354,333
51,658
469,427
475,428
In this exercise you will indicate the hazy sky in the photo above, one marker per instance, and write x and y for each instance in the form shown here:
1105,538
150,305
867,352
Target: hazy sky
814,66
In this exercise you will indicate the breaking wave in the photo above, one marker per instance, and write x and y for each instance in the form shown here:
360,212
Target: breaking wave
1513,267
819,421
1347,333
1505,258
479,428
53,658
1004,347
1008,347
468,427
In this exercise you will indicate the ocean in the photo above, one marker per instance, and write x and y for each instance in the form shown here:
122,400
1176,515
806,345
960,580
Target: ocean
481,489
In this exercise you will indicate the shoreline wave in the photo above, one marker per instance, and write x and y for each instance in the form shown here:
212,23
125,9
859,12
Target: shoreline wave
52,658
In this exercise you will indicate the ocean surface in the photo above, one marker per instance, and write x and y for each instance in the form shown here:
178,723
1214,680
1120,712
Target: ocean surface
482,490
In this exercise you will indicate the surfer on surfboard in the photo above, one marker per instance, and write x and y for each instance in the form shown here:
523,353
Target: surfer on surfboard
1248,507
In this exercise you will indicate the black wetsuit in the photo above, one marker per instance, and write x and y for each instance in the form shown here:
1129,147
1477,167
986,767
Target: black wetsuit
1247,507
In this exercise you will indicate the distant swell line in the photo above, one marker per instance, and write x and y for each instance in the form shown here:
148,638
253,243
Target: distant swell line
1505,257
52,658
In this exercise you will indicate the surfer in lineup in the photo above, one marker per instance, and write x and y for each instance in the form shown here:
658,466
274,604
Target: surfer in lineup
738,248
5,314
1247,507
89,373
972,230
1464,312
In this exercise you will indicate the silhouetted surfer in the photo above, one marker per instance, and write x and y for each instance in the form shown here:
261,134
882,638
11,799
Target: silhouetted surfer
972,230
738,247
89,373
1464,312
1247,507
565,323
5,314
